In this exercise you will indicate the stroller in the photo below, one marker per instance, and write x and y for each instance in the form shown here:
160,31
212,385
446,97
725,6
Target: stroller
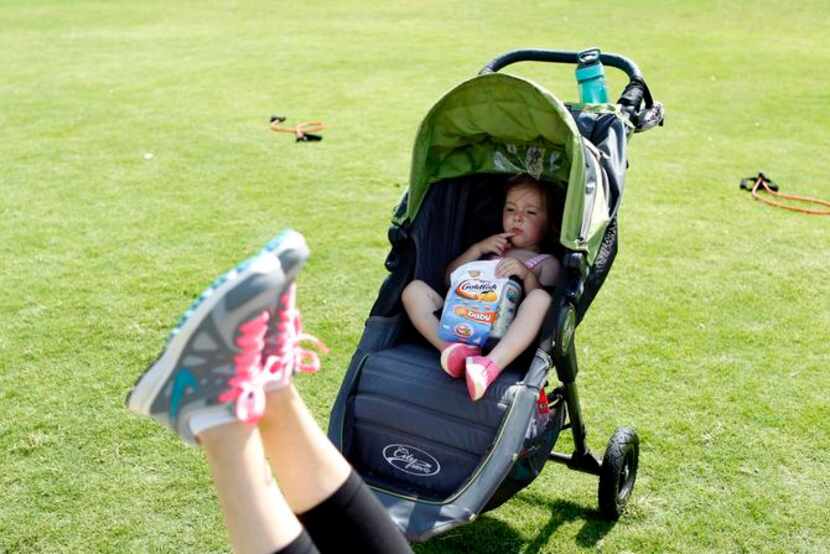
434,458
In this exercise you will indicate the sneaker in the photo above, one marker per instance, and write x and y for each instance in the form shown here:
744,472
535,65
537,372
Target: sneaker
481,372
454,356
211,371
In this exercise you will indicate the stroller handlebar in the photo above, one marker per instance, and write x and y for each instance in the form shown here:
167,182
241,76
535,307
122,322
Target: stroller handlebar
559,56
635,93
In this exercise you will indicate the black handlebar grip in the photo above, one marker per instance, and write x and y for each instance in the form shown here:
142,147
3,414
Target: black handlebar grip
635,92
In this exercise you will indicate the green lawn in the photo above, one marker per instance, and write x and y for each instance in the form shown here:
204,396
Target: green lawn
710,335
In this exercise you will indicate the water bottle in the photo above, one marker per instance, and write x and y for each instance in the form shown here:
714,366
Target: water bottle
511,296
590,76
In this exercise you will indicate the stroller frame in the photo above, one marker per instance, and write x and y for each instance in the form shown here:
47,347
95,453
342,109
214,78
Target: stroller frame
618,468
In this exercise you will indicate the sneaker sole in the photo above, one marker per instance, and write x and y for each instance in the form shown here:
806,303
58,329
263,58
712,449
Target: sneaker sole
148,386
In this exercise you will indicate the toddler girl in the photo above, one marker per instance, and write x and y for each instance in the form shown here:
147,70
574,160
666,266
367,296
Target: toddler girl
527,223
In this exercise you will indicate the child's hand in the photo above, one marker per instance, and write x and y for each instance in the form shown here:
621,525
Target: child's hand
497,244
511,266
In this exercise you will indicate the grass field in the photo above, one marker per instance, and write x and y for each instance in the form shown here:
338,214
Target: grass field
710,335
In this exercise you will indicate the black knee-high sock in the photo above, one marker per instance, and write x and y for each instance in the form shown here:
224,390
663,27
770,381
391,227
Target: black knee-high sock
353,520
300,545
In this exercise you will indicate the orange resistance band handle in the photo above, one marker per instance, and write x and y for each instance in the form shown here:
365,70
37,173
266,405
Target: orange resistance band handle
299,129
761,182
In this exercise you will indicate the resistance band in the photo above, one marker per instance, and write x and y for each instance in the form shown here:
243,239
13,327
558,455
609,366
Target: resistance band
303,131
769,186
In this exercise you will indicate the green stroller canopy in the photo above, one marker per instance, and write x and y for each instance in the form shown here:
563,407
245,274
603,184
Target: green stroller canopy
499,123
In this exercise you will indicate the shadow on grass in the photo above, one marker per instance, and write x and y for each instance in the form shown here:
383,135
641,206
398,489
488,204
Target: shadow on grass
594,526
489,535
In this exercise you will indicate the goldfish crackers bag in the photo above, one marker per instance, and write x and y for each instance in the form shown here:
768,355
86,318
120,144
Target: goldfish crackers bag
479,306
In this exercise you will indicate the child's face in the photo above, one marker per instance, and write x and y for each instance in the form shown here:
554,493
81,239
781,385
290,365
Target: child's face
525,215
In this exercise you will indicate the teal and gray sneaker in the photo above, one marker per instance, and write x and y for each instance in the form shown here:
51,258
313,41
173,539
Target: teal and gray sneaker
215,367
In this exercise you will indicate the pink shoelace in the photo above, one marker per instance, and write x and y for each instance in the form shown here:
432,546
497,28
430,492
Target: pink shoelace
268,364
283,354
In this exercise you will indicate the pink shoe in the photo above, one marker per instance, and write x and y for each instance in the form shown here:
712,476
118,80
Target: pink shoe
453,358
481,372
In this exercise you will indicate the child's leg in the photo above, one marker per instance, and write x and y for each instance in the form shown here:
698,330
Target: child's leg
481,371
257,516
421,302
523,330
334,505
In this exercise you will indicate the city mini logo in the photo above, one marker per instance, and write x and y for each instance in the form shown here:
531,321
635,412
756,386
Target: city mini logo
411,460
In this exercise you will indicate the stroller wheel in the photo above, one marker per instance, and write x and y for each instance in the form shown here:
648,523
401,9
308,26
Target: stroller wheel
618,472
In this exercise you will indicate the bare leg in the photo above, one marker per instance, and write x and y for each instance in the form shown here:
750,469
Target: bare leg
421,302
257,515
523,330
307,465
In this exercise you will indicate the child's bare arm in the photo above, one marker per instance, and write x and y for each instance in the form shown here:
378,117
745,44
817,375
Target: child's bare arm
549,272
546,274
495,244
512,266
472,253
531,282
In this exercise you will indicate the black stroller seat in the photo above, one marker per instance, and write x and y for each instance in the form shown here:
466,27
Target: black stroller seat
433,457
